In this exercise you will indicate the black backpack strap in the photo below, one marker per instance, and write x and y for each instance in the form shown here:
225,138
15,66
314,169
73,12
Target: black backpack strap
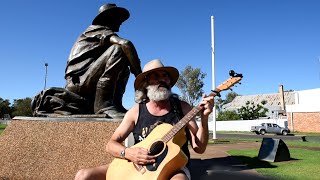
176,104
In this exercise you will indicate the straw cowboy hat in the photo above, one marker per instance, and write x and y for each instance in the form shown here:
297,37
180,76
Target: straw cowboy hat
156,65
106,10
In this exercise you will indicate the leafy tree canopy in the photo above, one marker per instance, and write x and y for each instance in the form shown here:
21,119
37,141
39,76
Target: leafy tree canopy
228,115
22,107
190,83
219,102
230,97
251,111
5,107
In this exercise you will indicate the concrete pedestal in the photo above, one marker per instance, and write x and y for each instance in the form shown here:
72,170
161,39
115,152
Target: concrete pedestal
53,148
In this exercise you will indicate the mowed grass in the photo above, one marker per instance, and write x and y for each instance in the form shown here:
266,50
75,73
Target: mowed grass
304,164
288,142
2,127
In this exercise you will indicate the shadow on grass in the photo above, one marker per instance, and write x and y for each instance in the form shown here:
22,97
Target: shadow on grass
230,167
255,162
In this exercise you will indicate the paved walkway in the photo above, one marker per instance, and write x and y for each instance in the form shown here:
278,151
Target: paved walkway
216,163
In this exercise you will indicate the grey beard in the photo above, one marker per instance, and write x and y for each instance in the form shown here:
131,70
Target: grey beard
156,93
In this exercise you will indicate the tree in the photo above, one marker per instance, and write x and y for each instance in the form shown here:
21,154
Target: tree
230,97
251,111
22,107
228,115
5,107
190,84
219,102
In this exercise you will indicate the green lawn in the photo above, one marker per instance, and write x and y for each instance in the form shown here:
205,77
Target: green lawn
288,142
2,127
304,164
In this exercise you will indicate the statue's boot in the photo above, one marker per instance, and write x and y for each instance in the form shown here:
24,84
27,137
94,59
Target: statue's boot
118,102
120,90
104,100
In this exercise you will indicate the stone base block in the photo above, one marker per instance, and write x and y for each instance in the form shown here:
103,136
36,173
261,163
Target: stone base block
53,149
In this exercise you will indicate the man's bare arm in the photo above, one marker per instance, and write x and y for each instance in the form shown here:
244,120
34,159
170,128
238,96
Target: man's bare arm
115,145
200,134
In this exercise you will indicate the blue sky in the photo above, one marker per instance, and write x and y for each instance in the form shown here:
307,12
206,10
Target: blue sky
271,42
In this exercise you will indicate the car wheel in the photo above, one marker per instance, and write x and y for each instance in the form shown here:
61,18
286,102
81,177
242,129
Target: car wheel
262,131
284,132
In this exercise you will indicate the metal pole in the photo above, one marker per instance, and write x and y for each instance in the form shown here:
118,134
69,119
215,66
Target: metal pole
45,77
213,78
319,64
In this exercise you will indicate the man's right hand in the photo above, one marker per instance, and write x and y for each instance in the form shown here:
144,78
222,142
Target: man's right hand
139,155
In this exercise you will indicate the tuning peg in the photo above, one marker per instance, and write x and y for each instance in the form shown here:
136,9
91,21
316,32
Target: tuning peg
231,89
239,83
231,73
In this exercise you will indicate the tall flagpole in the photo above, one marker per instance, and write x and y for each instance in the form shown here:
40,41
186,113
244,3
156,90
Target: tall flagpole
213,78
45,76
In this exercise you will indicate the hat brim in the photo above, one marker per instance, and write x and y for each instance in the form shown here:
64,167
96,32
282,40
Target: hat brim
173,73
117,11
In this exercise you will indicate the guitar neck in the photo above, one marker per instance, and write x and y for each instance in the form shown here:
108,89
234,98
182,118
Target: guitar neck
190,115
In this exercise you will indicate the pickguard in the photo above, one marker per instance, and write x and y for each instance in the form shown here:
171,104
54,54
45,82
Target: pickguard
159,159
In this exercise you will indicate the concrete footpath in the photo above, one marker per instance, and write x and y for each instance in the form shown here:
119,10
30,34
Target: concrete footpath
216,163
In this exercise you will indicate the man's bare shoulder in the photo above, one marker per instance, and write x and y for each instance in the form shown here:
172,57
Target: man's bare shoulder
134,108
132,113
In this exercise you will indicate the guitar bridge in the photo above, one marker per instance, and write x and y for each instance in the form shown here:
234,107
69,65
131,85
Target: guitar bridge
139,168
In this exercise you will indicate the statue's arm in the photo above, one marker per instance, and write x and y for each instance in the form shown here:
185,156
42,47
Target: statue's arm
129,49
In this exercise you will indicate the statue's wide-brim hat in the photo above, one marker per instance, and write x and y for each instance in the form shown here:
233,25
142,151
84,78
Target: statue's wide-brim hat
152,66
110,11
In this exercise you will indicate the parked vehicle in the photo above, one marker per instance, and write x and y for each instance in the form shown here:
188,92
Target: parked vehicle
270,128
6,117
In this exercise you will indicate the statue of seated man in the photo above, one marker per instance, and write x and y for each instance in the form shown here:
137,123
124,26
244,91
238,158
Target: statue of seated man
99,66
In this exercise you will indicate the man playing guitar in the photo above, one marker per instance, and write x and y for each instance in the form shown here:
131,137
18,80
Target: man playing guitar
153,93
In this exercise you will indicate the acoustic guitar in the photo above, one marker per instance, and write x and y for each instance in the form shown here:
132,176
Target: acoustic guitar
165,142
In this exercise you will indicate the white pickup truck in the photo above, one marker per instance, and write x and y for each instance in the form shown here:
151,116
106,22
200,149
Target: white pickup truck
270,128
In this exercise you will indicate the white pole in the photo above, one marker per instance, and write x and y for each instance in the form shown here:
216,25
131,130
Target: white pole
213,78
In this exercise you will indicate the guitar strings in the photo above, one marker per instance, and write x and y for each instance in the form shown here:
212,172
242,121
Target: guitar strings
176,128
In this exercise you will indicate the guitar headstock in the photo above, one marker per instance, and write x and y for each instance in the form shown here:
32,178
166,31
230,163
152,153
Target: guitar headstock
234,79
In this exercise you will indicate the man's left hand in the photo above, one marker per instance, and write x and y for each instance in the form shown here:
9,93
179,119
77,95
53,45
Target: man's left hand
208,103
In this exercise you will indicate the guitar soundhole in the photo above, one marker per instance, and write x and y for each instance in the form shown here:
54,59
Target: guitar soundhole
156,148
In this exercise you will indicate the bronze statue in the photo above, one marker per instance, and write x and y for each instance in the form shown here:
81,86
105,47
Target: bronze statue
98,69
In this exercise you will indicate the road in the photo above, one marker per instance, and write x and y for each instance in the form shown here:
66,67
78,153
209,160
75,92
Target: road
254,136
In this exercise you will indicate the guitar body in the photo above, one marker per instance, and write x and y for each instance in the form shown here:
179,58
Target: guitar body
170,158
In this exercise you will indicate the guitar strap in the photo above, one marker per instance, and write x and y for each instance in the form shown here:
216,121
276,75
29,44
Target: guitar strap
175,103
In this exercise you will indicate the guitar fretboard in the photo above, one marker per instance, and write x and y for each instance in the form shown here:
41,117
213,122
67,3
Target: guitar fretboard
180,124
177,127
